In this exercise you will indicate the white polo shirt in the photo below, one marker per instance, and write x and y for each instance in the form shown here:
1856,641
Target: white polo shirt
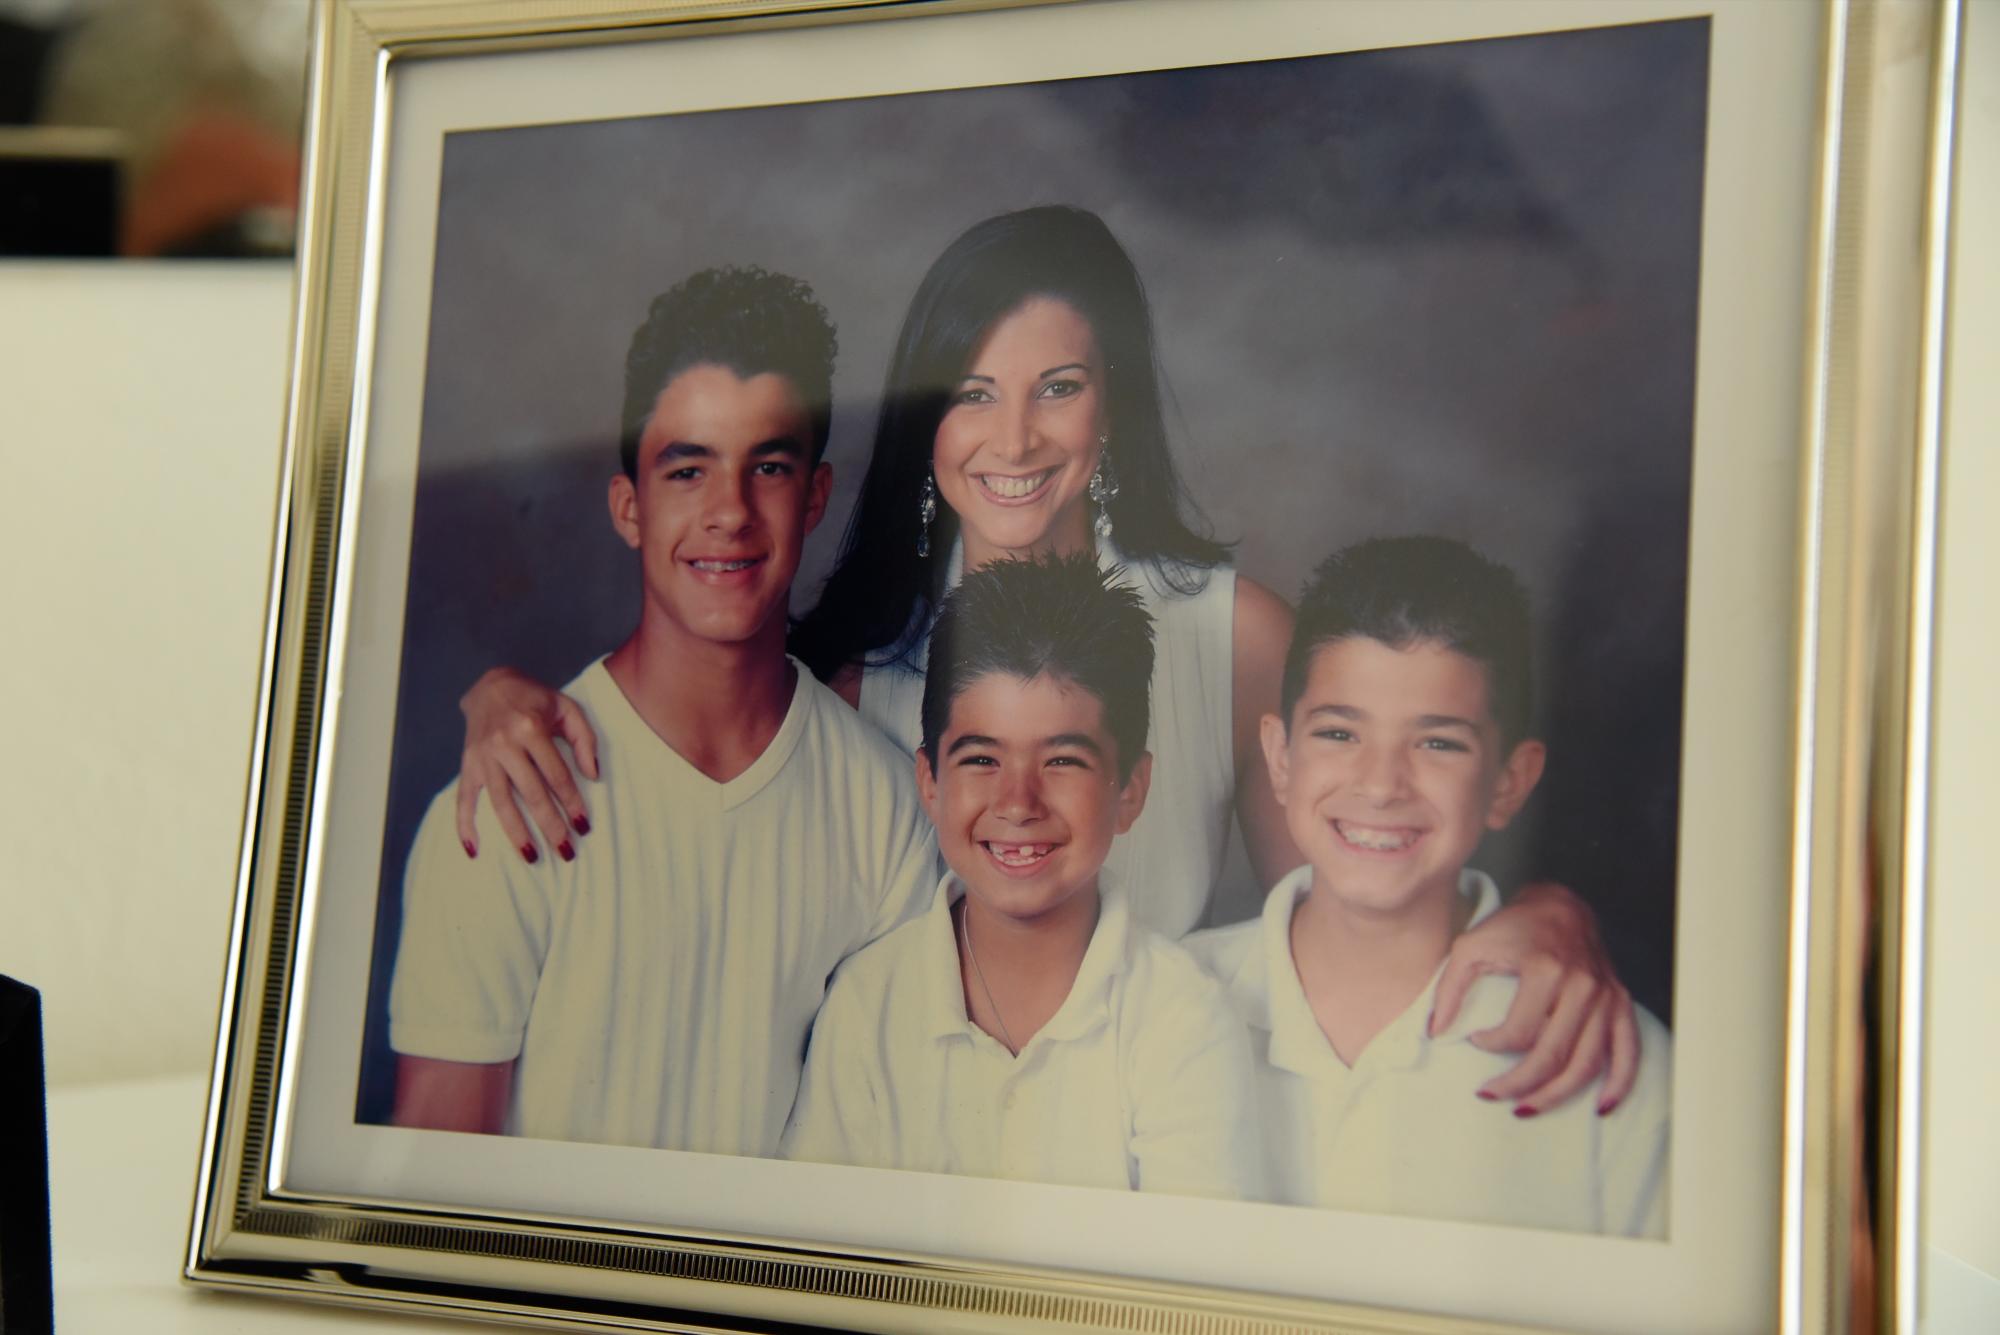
1142,1078
1402,1130
658,990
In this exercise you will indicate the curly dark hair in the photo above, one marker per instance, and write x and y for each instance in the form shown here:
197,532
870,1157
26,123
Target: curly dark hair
1054,616
746,319
1403,592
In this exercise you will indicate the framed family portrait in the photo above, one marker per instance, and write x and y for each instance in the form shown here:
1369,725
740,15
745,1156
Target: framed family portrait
1116,665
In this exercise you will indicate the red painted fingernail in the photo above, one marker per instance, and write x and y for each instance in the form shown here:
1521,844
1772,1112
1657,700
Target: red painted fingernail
529,854
470,851
1525,1111
1488,1097
568,853
1606,1109
580,823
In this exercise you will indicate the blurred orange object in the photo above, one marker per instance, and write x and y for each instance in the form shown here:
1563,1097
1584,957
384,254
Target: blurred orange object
214,169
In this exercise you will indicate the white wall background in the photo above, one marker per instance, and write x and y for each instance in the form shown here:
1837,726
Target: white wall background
141,409
140,413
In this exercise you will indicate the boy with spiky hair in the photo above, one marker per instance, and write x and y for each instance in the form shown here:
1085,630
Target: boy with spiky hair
1403,739
1028,1026
655,985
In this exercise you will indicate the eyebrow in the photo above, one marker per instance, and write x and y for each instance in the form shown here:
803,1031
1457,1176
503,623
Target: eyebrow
1053,370
679,450
1082,741
1353,715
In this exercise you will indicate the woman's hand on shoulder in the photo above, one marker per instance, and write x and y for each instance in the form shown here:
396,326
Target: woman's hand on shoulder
1260,633
511,725
1570,1014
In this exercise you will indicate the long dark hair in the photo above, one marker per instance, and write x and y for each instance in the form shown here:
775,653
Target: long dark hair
881,592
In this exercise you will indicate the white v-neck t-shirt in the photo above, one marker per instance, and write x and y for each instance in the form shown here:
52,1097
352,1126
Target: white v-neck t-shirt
1141,1079
658,990
1171,858
1403,1132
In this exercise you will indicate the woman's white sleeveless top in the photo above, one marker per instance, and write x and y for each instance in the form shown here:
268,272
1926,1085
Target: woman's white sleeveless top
1170,859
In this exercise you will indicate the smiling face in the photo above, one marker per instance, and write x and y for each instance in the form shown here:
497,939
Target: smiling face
1392,770
1016,447
1026,794
725,494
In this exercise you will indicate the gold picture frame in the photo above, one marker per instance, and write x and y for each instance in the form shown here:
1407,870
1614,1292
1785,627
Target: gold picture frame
1858,477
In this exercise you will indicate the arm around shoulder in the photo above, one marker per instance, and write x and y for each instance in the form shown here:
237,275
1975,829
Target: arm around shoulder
511,726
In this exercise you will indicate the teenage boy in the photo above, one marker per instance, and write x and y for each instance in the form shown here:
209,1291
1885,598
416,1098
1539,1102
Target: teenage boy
1028,1026
1403,740
654,984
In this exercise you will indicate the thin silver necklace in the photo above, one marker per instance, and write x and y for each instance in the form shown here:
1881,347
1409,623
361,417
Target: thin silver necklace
965,916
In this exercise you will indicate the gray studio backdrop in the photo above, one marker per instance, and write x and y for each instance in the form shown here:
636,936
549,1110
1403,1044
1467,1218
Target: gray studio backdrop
1448,289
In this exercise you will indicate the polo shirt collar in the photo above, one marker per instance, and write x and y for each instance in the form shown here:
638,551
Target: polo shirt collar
1297,1044
1088,1002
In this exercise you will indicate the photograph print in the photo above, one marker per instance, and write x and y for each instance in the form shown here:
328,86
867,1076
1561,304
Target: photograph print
1121,632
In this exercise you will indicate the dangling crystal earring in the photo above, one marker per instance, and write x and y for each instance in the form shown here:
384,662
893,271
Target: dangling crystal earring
1103,488
926,512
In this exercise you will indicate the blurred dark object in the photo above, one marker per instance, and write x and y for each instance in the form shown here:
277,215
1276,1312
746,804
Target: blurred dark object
24,65
27,1295
62,189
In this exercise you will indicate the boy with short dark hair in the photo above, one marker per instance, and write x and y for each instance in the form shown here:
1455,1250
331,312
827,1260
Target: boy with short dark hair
1404,737
655,985
1028,1026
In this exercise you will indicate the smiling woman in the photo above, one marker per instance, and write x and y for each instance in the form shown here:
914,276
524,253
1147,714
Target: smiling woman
1018,446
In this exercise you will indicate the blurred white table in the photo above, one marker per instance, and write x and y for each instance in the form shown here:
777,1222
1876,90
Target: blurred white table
121,1183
